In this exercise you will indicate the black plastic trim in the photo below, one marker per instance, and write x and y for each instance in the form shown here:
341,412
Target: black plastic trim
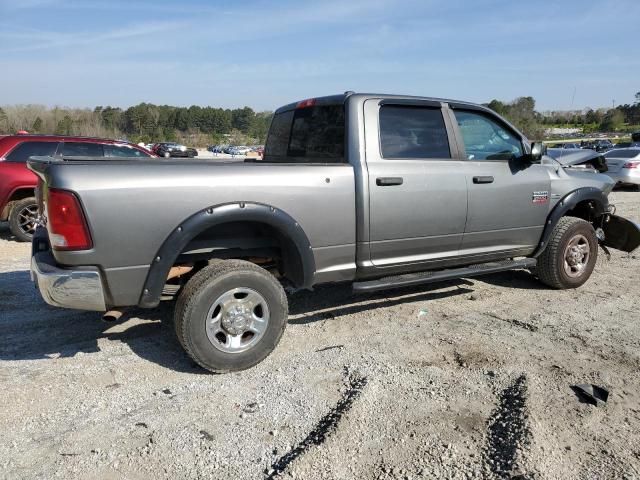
408,102
568,202
210,217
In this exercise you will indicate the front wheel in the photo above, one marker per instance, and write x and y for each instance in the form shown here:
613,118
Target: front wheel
167,154
230,315
23,219
570,255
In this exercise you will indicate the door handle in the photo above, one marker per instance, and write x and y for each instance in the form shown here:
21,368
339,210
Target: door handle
388,181
483,179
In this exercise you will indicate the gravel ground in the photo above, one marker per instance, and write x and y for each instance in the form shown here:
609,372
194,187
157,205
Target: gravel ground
467,379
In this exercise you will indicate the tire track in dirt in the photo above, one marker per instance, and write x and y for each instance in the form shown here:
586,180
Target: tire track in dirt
508,432
323,429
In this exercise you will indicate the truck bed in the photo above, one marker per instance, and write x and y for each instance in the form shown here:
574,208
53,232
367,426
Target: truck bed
132,206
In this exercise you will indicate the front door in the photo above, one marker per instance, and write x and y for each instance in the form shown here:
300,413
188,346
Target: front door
508,196
417,190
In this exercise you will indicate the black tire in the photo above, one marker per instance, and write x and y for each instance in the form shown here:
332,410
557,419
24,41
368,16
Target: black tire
552,269
22,232
200,295
166,154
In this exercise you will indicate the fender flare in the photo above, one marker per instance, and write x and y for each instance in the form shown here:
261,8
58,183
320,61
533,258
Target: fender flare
209,217
567,203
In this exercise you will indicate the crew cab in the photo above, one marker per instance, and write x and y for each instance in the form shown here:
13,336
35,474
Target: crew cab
373,191
17,182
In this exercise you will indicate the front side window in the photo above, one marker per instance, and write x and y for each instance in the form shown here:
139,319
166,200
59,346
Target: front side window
486,139
123,151
32,149
82,149
412,132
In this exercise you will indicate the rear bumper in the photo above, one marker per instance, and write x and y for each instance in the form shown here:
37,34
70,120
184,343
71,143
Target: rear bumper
80,289
626,175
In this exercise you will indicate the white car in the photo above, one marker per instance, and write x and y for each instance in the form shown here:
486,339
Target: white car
624,165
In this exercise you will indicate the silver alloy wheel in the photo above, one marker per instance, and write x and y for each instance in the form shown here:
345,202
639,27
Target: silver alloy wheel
28,219
237,320
576,255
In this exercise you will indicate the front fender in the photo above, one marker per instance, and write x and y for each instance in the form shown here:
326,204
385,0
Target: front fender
596,196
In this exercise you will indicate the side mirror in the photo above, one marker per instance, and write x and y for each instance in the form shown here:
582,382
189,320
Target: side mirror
538,149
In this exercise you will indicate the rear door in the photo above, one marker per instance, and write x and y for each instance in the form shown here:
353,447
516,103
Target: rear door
417,189
508,197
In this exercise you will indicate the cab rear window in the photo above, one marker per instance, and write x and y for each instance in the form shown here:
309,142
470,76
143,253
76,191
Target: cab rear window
307,135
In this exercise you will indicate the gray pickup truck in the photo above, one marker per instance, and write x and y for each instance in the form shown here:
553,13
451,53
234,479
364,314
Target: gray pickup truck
376,191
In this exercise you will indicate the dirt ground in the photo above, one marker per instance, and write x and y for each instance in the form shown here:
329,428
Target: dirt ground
467,379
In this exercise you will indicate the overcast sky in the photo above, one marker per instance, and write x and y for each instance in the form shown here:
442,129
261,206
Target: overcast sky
267,53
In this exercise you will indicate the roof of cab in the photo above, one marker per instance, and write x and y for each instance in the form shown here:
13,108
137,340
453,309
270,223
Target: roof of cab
341,98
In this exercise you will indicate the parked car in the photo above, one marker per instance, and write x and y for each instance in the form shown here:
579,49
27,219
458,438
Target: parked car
566,145
408,191
17,183
171,149
216,148
624,165
623,145
239,150
599,145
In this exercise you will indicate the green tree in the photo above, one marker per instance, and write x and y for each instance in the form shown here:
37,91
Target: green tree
612,121
4,127
37,125
65,126
497,106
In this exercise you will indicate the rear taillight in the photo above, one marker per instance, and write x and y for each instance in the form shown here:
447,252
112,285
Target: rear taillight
631,165
67,226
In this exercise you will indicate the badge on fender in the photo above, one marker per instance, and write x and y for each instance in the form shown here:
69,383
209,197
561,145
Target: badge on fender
540,197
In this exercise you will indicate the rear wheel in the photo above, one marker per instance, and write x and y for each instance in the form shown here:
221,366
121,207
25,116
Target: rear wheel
230,315
23,219
167,154
570,255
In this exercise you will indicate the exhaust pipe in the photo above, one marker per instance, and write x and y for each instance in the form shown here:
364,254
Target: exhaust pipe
113,315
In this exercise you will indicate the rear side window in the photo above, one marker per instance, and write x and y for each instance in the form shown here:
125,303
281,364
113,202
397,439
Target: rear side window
22,152
122,151
307,135
412,132
82,149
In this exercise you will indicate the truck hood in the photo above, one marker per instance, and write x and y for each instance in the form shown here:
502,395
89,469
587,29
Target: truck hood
574,157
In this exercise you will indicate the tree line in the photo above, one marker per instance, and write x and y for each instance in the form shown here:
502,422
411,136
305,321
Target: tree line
145,122
521,112
199,126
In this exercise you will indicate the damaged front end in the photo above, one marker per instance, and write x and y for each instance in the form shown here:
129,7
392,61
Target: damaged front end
580,159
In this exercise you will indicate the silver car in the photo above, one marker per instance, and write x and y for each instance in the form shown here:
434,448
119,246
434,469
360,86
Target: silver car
624,165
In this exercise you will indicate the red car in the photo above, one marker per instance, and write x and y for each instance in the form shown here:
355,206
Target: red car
17,183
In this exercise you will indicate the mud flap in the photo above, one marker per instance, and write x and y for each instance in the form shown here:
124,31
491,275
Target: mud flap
621,234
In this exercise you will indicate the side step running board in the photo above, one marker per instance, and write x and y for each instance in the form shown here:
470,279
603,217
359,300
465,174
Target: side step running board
433,276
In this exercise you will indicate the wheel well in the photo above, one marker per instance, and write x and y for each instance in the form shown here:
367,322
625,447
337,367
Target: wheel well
256,242
588,210
16,196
